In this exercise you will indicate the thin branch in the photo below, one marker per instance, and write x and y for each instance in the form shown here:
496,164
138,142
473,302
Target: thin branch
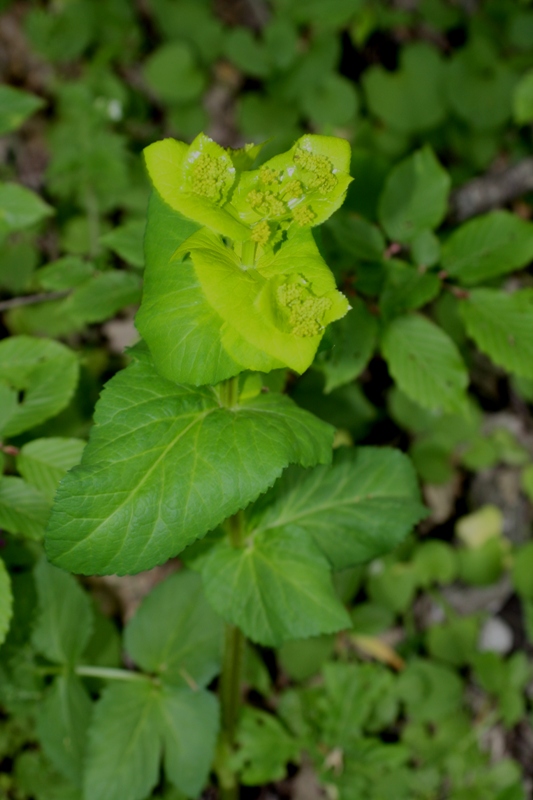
31,299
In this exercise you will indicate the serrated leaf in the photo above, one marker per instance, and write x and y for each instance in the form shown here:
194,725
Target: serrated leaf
425,363
15,107
127,241
20,207
415,196
160,470
276,588
46,372
6,601
183,648
189,729
490,245
353,340
22,508
501,325
43,462
65,619
62,721
123,755
359,508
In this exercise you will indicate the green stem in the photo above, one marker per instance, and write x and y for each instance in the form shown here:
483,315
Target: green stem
228,392
231,678
111,674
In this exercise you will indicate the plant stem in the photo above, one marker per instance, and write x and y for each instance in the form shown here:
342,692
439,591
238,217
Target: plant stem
229,392
231,678
249,250
111,674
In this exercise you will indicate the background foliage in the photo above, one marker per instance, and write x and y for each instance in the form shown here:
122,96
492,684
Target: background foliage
428,694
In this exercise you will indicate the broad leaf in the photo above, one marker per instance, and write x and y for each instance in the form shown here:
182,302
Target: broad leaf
184,647
127,242
189,727
357,509
6,601
415,196
22,508
276,588
406,288
43,462
491,245
45,372
62,722
65,618
353,341
411,99
16,106
20,207
264,748
425,363
123,756
501,325
165,464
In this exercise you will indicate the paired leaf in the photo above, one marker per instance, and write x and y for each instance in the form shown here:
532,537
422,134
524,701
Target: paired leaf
501,325
415,196
43,462
62,722
493,244
133,723
355,510
46,372
276,588
165,464
22,508
184,647
6,601
425,363
65,618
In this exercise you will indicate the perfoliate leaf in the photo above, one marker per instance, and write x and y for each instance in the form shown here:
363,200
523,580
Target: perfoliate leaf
189,724
300,188
20,207
425,363
415,196
124,750
491,245
62,722
184,647
161,465
16,106
22,508
6,601
65,618
43,462
276,588
46,372
357,509
501,325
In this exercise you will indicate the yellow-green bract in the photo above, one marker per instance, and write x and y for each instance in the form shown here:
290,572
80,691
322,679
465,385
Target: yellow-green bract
234,280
